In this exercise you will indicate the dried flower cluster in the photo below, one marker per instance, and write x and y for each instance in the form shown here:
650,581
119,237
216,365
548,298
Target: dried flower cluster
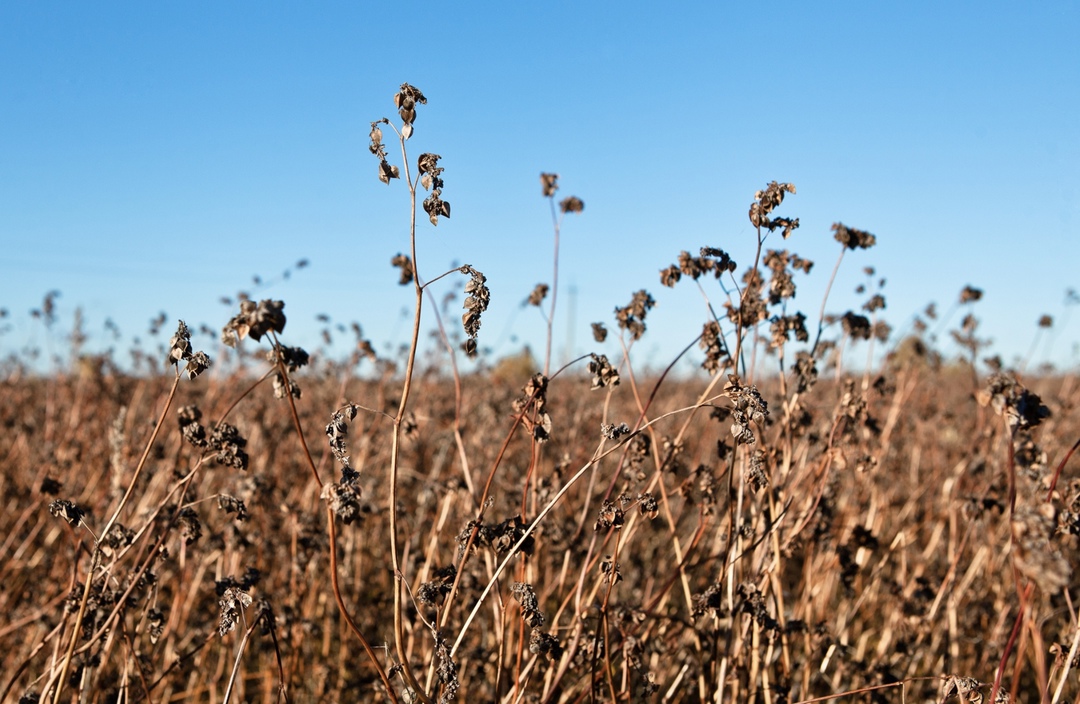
477,298
603,374
431,179
255,320
631,317
768,200
852,238
1021,408
180,351
747,407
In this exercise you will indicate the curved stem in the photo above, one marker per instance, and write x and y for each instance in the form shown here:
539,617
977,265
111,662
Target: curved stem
331,529
824,301
395,448
556,223
345,612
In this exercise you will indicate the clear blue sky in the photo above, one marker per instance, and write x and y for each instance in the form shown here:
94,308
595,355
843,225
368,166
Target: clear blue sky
155,156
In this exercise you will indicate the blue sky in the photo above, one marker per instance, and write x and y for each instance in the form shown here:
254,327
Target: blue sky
155,156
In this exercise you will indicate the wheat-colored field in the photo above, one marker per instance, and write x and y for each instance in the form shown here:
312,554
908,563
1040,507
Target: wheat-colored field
779,527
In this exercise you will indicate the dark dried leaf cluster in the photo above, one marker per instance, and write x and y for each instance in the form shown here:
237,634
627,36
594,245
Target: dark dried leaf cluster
431,179
1022,409
190,525
538,295
343,495
255,320
756,473
782,264
572,204
447,670
805,371
405,100
857,327
546,644
711,259
614,432
226,441
530,606
747,407
852,238
751,309
118,538
549,183
62,508
344,498
404,263
232,604
477,298
434,593
611,570
599,332
632,316
782,327
603,374
712,343
190,427
611,514
500,537
231,504
292,357
387,171
970,294
180,350
532,405
768,200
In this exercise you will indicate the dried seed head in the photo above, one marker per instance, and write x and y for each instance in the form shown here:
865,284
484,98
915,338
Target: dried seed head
477,298
573,204
611,570
226,440
614,432
530,606
538,295
712,342
852,238
549,183
344,497
603,374
255,320
632,316
232,604
857,327
1021,408
768,200
179,345
970,294
436,591
404,263
748,406
611,516
62,508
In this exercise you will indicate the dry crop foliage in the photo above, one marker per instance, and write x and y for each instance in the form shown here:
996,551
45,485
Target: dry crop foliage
778,529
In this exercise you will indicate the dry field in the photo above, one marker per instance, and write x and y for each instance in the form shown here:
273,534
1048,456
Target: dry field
780,527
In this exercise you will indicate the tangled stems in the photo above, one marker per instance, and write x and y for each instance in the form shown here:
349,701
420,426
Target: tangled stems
95,557
331,529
